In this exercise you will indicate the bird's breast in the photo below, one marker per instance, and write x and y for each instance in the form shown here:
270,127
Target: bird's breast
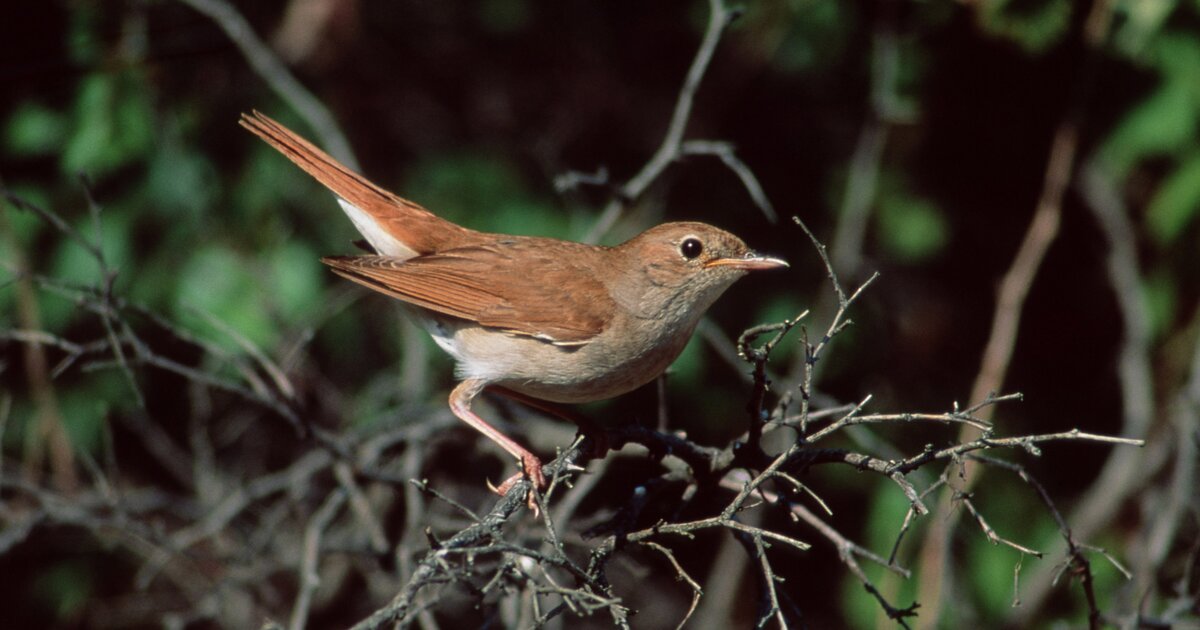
618,360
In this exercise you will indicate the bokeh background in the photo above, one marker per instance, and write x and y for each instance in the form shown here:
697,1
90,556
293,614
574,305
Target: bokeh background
913,137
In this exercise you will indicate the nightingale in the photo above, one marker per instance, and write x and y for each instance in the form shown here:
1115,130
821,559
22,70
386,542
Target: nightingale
541,318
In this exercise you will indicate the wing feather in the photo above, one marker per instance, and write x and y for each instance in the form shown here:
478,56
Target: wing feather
526,286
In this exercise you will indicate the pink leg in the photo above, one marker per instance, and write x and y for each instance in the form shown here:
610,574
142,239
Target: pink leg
460,404
586,425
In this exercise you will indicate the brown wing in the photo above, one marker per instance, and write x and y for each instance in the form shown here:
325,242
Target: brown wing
543,296
411,224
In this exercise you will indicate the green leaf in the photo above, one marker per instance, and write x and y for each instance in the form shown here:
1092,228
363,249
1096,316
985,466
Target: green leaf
527,216
24,225
886,512
180,181
1160,294
220,283
819,32
90,142
1035,26
1177,56
689,367
1161,124
1165,122
73,263
156,277
1142,21
63,587
111,123
1011,508
991,572
911,229
34,130
295,285
85,408
1176,203
85,44
779,307
250,296
269,182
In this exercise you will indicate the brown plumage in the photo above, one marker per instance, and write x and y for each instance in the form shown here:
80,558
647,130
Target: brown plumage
544,318
460,282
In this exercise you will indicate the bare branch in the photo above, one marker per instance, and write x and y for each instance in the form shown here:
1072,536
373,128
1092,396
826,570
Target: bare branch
309,578
719,19
275,73
697,592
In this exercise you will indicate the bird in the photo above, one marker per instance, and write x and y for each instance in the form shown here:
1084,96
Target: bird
539,319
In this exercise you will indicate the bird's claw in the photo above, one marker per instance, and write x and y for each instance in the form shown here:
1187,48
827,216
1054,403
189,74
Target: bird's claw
532,468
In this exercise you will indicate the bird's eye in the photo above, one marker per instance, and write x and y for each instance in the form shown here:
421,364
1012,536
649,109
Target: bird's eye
691,248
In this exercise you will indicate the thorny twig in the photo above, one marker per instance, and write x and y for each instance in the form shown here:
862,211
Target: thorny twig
458,559
319,483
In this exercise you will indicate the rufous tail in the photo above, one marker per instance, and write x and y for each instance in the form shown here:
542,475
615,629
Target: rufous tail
407,222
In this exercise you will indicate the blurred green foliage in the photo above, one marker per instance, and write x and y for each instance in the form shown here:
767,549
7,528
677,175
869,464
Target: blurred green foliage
202,221
818,32
1035,26
886,509
910,228
64,588
109,124
1174,208
1164,122
485,192
85,409
34,130
1160,292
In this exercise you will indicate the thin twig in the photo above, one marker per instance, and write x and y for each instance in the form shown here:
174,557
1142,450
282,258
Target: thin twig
1010,297
719,19
309,578
275,73
697,592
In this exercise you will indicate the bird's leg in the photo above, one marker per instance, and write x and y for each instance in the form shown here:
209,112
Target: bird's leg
587,426
460,404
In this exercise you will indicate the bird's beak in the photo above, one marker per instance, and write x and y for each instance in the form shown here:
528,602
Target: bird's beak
751,262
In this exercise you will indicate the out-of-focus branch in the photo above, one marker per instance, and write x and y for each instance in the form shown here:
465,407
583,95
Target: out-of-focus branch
1181,497
49,432
862,182
285,534
697,592
1125,471
719,19
268,66
309,578
935,570
223,514
724,152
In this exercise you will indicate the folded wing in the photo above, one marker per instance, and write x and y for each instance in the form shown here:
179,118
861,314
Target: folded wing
485,284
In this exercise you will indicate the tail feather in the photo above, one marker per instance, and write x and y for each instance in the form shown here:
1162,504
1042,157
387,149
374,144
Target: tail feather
392,222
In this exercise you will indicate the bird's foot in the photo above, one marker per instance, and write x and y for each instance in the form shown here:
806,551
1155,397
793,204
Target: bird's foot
531,468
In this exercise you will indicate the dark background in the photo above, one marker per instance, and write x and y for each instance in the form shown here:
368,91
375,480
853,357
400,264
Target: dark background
474,108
